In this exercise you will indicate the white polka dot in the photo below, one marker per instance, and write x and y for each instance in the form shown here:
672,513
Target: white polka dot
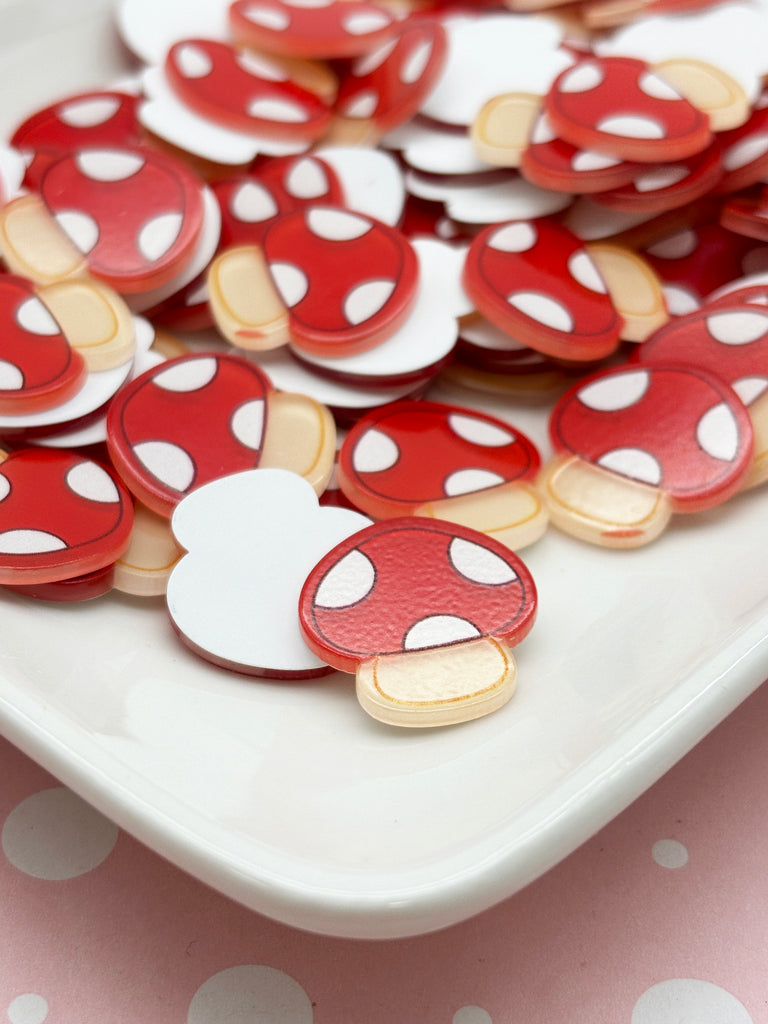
680,1000
589,160
660,177
29,542
369,62
80,228
187,375
744,152
248,423
307,179
363,22
366,300
415,64
291,282
618,391
749,388
718,433
273,108
89,113
631,126
168,462
656,87
543,132
259,66
363,104
543,308
347,582
583,270
28,1008
634,463
250,994
437,630
337,225
108,164
740,328
467,481
374,452
55,835
477,563
676,247
471,1015
193,62
36,318
517,237
669,853
477,431
582,78
92,482
11,377
276,21
5,487
252,203
158,235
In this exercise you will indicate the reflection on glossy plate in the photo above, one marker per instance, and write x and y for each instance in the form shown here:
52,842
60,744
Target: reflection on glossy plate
290,799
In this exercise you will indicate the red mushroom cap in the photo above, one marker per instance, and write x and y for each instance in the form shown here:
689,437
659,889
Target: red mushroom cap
668,186
536,281
677,428
38,367
334,28
411,584
730,341
90,119
347,280
190,420
619,105
411,453
61,515
243,91
134,212
389,85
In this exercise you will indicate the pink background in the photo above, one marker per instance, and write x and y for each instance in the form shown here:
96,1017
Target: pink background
659,919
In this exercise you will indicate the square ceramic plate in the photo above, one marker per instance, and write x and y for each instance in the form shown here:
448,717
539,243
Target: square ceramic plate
291,800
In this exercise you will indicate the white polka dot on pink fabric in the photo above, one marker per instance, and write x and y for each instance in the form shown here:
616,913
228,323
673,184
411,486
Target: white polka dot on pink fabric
669,853
250,993
28,1008
688,999
471,1015
54,835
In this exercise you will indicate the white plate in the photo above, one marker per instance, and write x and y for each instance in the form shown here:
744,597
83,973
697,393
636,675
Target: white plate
286,796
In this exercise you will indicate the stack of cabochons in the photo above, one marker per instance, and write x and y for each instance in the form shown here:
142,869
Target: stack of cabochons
231,278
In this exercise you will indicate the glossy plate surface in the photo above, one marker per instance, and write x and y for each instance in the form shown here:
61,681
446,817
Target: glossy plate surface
289,798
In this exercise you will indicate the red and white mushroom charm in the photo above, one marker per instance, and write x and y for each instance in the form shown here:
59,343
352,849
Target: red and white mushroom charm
199,417
424,613
131,216
61,516
621,106
730,341
331,281
634,445
444,462
537,281
230,87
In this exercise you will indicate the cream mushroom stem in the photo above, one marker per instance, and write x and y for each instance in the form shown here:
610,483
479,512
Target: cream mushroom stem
95,320
501,132
634,288
300,436
437,686
758,414
244,301
512,513
34,245
601,507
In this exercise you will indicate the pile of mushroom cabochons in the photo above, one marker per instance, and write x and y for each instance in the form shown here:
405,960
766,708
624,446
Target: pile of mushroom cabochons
337,204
